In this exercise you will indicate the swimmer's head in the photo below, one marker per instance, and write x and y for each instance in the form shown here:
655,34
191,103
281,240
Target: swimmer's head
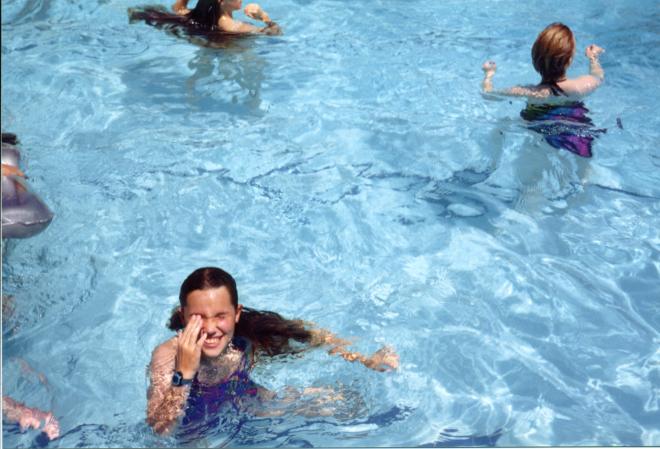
553,52
209,293
206,278
206,13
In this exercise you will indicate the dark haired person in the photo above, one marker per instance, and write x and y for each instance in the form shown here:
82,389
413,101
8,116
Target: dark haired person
213,18
217,343
219,14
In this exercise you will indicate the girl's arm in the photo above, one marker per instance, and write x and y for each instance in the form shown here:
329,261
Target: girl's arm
182,353
489,69
592,52
27,417
586,84
255,12
165,402
384,359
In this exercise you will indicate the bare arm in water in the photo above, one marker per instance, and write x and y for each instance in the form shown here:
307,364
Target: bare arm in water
27,417
585,84
253,11
579,86
165,402
384,359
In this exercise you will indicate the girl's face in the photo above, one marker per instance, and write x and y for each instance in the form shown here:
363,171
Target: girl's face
219,317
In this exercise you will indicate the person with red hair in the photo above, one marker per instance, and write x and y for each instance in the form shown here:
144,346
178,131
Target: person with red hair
552,54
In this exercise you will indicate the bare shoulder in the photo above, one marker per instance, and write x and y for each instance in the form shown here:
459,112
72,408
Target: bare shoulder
164,354
581,85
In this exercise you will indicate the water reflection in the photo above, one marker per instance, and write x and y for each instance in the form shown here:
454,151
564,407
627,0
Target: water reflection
219,80
232,80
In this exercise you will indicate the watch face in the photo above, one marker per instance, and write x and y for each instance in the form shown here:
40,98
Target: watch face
177,378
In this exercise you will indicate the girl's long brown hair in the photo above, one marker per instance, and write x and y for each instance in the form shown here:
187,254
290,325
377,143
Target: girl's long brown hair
268,332
552,53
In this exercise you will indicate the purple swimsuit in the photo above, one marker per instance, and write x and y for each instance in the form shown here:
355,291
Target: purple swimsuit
564,126
204,401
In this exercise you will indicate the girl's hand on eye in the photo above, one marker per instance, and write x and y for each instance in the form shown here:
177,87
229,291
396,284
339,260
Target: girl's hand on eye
189,347
593,51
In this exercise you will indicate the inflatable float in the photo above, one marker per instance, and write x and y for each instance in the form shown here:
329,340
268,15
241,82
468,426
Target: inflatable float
24,214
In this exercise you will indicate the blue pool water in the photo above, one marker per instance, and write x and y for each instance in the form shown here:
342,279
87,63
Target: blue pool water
349,173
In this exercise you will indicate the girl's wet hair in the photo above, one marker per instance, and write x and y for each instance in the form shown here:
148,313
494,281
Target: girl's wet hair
206,14
200,25
268,332
552,53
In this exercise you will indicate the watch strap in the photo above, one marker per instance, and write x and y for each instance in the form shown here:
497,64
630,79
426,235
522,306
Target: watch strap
179,381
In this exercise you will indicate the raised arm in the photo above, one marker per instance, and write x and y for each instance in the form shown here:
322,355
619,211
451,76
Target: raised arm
254,11
586,84
593,52
490,68
165,402
384,359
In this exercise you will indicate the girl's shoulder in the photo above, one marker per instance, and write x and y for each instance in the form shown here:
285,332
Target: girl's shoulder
165,353
580,86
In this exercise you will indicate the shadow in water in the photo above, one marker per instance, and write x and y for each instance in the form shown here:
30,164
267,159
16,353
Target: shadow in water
229,80
451,438
221,81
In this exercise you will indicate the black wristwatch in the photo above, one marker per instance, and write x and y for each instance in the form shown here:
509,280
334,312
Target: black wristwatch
179,381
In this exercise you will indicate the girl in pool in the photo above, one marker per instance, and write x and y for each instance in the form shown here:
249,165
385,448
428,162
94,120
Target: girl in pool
217,343
219,14
552,54
553,109
210,23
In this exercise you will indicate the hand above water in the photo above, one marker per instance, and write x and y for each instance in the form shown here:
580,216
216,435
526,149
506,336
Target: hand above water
189,347
51,426
28,417
255,12
593,51
489,67
385,359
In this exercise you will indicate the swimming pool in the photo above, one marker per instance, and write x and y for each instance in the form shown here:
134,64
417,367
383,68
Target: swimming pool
349,173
